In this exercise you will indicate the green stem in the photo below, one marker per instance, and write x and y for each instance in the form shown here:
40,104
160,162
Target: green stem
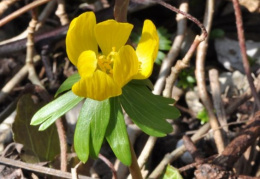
134,167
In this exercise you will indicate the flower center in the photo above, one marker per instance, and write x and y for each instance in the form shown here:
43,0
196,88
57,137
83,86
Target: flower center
105,63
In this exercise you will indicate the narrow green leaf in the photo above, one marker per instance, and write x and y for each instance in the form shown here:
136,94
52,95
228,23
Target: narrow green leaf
67,84
53,110
82,133
171,173
91,128
99,114
38,146
147,110
116,134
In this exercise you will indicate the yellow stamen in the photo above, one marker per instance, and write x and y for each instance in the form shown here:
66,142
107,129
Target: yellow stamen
105,63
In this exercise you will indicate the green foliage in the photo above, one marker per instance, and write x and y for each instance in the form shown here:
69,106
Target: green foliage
252,61
104,119
203,116
117,135
38,146
186,79
99,119
171,173
48,114
148,111
217,33
164,44
68,83
91,128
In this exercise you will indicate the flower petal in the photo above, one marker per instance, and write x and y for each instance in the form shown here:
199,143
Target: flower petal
80,36
87,63
125,65
98,87
111,33
147,50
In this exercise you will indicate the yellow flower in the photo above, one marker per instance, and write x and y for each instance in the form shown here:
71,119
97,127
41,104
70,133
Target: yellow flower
104,74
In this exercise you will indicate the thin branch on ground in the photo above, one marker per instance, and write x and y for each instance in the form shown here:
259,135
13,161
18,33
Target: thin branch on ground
38,168
4,5
21,11
170,157
174,51
61,12
201,81
179,66
243,98
241,38
48,9
217,99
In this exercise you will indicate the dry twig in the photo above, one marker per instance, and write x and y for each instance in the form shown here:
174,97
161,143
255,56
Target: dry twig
242,45
37,168
168,158
21,11
5,4
217,99
61,12
200,77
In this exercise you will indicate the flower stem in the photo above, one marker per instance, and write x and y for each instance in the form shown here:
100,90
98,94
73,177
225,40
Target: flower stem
134,167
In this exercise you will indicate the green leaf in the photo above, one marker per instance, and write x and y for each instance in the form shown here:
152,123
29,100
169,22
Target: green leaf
116,134
55,109
67,84
38,146
203,116
99,122
82,133
171,173
217,33
145,82
91,128
159,58
148,111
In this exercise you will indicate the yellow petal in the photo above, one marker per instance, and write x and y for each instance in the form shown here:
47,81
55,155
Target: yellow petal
147,50
80,36
98,87
111,33
125,65
87,63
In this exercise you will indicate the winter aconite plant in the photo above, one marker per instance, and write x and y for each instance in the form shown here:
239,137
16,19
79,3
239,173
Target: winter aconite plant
108,80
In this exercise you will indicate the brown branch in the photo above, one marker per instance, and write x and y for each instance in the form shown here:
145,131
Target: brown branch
201,82
61,12
217,99
179,66
242,45
21,11
243,98
5,4
221,167
204,34
170,157
120,10
37,168
174,51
